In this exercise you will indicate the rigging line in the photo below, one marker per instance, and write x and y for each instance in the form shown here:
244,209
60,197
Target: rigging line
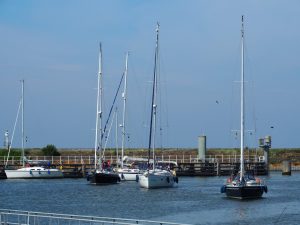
108,134
162,75
12,137
111,109
160,109
153,107
251,94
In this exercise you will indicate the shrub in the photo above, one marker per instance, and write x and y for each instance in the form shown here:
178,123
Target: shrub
50,150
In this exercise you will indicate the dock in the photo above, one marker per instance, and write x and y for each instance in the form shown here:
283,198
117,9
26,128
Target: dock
187,165
218,169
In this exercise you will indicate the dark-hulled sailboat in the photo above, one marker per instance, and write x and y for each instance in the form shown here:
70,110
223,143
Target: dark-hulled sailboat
243,185
102,173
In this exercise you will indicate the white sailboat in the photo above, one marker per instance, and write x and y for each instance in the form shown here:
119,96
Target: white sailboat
35,171
243,185
155,178
101,175
126,173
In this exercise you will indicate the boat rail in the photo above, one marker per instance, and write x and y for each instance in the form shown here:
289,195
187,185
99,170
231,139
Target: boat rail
89,159
18,217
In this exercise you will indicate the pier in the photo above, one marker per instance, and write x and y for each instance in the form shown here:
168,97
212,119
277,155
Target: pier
187,165
18,217
218,169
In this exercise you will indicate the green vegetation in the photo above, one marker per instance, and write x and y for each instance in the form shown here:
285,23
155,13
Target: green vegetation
50,150
13,152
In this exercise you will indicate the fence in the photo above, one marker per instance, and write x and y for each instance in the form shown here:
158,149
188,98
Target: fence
18,217
75,159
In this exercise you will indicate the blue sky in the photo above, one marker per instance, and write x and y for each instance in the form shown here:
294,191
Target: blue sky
53,45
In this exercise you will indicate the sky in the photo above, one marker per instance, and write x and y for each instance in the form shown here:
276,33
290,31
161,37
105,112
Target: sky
54,46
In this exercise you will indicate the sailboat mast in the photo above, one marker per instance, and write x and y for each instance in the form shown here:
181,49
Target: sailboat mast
98,143
242,101
124,96
23,135
117,146
153,106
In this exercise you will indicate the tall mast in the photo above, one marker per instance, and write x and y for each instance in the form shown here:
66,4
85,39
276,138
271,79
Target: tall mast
23,135
242,102
124,96
117,146
153,106
98,142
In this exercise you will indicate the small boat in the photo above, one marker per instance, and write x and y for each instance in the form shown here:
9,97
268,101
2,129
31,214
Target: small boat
243,185
102,174
30,172
33,173
155,178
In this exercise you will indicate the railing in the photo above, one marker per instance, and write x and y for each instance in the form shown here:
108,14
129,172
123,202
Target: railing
75,159
18,217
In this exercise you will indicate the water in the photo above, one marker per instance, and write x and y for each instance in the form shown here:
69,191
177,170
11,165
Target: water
196,200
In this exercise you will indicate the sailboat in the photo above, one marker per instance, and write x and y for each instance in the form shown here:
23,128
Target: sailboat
126,173
102,173
26,172
155,178
243,185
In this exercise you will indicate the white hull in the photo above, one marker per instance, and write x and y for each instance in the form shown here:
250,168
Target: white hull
129,174
157,179
33,173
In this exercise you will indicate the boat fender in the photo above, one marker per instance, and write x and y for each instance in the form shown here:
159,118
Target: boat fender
88,177
30,172
49,172
168,179
122,176
266,189
39,172
137,178
223,189
119,179
176,179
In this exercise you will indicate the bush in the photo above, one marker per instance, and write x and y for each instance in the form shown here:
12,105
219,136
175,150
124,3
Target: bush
50,150
13,152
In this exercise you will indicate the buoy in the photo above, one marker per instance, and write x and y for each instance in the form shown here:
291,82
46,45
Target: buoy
122,176
223,189
168,179
137,178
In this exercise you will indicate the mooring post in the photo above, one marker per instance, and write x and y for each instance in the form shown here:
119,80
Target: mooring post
265,144
218,169
286,167
83,170
201,148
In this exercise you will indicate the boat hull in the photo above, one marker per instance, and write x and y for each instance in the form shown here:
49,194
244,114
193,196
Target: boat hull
129,174
244,192
104,178
156,180
33,173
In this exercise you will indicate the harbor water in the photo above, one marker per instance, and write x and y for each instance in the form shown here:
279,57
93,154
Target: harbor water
196,200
